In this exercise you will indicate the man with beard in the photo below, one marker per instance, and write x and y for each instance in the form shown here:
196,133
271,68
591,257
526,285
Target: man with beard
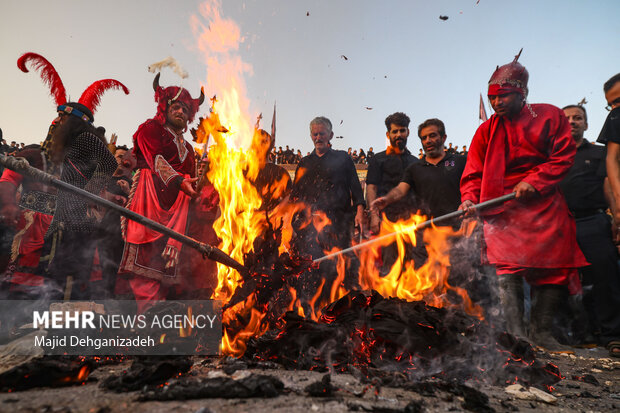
162,189
87,164
327,182
525,149
434,181
584,188
610,136
385,171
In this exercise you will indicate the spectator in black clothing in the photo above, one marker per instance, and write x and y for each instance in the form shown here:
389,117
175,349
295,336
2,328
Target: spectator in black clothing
369,154
586,190
327,182
385,171
279,155
463,151
362,156
289,155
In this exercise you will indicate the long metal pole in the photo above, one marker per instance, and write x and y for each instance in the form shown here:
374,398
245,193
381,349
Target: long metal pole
22,166
422,225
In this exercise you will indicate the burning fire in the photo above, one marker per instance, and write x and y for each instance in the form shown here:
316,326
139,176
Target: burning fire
235,162
429,282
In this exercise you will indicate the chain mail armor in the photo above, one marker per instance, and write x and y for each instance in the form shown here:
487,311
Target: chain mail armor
88,165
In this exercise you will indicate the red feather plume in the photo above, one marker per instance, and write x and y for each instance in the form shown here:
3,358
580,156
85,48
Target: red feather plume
92,95
48,74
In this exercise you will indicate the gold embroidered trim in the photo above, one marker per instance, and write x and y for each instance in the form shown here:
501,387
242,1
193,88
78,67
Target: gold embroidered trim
163,168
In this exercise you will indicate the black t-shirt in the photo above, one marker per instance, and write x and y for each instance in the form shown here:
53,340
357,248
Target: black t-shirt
328,183
611,128
386,171
583,185
436,187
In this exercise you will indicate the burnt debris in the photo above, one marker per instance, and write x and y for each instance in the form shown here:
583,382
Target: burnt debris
397,341
148,371
186,388
49,371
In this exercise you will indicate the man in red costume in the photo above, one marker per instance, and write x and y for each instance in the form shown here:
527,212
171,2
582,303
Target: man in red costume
526,149
161,190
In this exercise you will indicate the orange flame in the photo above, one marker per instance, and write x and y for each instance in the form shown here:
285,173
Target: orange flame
430,281
186,331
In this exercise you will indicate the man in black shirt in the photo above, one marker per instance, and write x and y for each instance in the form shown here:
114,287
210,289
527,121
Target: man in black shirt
434,180
385,171
610,136
327,182
585,188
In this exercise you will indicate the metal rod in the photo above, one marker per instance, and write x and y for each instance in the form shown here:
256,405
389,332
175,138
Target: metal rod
422,225
22,166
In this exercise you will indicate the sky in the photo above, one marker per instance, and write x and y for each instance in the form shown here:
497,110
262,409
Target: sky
354,61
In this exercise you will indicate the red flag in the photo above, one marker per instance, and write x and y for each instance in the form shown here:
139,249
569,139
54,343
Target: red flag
482,115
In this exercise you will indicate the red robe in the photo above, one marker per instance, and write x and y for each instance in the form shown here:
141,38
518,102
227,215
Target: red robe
163,160
539,150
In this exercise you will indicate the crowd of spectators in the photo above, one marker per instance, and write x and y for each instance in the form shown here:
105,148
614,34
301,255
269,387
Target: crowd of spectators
6,149
360,157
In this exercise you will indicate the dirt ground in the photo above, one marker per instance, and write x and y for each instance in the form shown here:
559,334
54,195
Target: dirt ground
591,383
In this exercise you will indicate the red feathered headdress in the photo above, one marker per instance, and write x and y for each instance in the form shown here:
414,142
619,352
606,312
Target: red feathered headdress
91,97
48,74
165,97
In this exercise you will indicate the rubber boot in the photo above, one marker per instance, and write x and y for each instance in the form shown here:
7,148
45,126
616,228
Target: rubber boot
511,297
546,300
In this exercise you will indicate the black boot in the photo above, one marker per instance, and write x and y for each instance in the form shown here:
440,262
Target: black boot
511,297
546,301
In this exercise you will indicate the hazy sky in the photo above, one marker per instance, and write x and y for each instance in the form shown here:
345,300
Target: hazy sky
401,57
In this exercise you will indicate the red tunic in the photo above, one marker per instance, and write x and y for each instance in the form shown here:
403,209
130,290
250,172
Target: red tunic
37,209
539,150
162,161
